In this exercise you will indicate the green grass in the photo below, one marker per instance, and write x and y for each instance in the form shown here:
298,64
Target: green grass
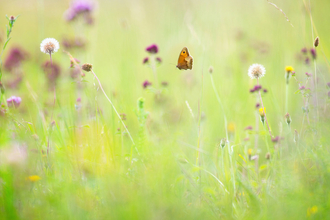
177,168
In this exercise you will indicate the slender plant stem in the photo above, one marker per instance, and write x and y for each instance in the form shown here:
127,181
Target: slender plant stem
114,108
286,97
263,109
226,129
153,67
51,119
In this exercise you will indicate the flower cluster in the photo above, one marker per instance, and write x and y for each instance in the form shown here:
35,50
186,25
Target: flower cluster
313,54
15,57
256,88
80,7
152,49
14,101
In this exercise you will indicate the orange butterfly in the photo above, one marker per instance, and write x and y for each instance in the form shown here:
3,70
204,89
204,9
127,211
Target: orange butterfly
185,60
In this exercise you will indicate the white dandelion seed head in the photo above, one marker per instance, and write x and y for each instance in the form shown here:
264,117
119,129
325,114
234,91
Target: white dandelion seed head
256,71
49,46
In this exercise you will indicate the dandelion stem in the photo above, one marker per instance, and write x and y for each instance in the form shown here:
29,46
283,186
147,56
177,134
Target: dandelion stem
114,108
263,109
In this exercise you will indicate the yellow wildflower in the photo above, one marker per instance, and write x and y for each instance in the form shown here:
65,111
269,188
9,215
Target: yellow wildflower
34,178
249,151
261,112
231,127
289,69
311,211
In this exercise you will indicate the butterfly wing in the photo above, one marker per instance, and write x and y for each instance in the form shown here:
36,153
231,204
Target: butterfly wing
185,60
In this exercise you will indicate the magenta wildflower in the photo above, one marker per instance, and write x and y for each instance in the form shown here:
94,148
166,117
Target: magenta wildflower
302,88
309,74
146,84
80,7
293,73
313,53
14,101
255,89
145,60
14,59
152,49
248,128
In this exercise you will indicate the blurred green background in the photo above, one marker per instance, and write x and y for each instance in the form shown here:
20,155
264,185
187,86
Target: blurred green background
91,170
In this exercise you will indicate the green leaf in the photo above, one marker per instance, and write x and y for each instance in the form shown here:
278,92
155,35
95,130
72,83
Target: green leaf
4,46
7,31
7,18
17,17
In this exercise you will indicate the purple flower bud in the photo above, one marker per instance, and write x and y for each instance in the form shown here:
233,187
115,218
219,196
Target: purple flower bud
313,53
158,59
14,101
146,84
304,50
145,60
152,49
265,90
252,90
257,105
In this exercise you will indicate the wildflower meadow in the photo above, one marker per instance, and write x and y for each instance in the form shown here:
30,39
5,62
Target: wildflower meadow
185,109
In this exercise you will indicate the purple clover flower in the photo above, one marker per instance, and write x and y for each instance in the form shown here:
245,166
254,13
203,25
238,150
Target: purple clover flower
152,49
146,83
14,101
